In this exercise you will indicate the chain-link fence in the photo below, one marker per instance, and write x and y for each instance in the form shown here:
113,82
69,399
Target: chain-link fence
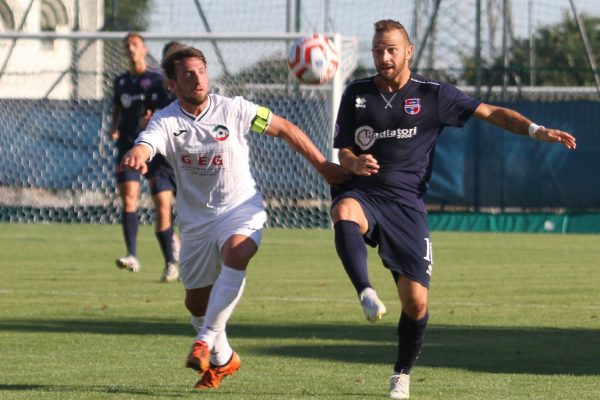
57,162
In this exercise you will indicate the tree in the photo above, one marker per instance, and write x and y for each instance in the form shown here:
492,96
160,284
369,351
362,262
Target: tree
560,57
130,15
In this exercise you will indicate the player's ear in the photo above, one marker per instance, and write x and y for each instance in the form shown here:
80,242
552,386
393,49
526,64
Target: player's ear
409,52
170,84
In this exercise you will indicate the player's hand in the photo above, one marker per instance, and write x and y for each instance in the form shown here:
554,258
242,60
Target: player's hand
333,173
555,135
114,134
135,159
365,165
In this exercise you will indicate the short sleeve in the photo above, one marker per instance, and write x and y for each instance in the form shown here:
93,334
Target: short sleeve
455,107
343,134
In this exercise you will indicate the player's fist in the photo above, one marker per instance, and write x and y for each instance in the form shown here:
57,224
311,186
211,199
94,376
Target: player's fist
136,158
365,165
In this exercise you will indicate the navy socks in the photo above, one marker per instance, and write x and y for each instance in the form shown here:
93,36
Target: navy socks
130,229
165,240
353,253
410,339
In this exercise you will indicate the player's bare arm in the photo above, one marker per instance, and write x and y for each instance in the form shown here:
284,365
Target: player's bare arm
136,158
297,139
520,125
364,164
144,119
115,118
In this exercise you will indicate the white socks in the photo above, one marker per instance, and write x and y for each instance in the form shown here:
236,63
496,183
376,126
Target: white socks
224,296
221,352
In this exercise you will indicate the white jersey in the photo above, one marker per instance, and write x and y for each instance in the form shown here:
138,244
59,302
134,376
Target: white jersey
209,155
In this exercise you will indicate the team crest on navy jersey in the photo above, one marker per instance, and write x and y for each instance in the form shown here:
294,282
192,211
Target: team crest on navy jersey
360,102
220,133
145,83
412,106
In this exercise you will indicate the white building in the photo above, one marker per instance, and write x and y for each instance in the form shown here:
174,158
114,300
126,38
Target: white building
50,68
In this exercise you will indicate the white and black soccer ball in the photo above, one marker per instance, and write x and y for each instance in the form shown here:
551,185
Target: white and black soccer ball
313,59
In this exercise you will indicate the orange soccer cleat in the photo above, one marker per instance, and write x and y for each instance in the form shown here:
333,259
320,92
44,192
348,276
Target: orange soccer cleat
199,357
213,377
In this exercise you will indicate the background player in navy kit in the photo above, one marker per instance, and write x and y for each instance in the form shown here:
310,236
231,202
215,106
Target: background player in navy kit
128,106
161,177
386,130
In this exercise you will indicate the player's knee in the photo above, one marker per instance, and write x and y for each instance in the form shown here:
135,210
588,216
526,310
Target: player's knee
416,309
238,251
196,301
346,210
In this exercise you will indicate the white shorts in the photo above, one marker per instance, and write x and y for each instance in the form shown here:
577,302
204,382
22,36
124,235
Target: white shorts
200,258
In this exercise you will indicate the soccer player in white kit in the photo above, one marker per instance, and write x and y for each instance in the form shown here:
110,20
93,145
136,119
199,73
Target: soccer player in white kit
219,207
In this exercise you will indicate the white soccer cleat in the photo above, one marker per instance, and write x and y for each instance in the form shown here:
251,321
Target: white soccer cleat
129,263
170,273
399,386
373,308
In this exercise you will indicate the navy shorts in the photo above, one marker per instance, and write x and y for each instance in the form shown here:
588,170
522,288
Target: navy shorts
401,234
160,176
125,174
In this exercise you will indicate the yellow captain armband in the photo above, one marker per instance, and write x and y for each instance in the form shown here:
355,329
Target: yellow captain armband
261,121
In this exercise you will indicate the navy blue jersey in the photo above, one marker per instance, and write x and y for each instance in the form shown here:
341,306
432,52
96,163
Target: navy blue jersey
158,96
400,130
129,94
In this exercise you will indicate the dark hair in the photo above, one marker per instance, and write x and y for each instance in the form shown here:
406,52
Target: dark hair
170,47
133,34
176,56
385,25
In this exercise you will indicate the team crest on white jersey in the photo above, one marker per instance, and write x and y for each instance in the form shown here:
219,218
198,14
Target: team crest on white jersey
360,102
220,133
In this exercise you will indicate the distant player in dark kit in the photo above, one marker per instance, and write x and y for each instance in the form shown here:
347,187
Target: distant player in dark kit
386,131
129,106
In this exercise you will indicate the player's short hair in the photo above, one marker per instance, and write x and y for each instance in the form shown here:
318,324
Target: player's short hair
133,34
170,62
170,47
385,25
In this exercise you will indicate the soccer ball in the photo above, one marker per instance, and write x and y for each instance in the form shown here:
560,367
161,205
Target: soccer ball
313,59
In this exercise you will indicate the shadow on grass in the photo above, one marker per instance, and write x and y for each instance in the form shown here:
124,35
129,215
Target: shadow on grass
476,348
83,389
543,351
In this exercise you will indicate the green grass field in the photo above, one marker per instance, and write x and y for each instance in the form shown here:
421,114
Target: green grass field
513,316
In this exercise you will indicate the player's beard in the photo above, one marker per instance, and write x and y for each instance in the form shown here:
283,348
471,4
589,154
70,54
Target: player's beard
395,76
195,99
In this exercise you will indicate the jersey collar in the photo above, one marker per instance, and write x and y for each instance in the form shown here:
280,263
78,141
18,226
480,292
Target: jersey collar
201,115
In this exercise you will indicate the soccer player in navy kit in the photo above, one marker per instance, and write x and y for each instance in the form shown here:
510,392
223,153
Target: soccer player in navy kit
386,132
128,107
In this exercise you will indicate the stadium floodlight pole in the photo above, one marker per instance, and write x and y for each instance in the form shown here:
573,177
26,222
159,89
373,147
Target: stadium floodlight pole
337,89
478,67
422,46
214,43
586,44
14,42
